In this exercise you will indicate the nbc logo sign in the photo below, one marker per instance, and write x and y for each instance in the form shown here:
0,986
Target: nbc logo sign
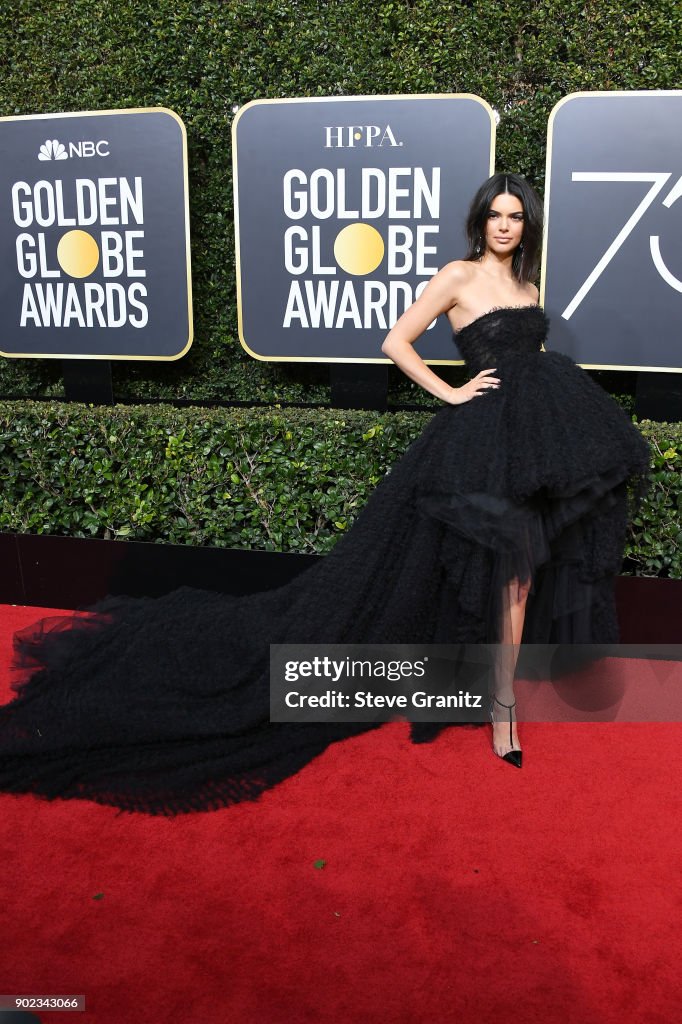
52,149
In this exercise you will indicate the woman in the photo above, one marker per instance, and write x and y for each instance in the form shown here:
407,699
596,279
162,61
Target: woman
506,516
504,229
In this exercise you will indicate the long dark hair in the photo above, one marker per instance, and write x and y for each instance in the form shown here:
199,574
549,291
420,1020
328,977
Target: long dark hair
526,256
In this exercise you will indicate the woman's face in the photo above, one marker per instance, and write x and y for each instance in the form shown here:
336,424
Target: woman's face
504,224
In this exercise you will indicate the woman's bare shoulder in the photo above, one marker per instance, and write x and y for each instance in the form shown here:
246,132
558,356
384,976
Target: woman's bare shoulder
446,286
461,270
458,274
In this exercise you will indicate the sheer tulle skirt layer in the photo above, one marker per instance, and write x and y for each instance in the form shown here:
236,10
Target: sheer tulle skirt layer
162,705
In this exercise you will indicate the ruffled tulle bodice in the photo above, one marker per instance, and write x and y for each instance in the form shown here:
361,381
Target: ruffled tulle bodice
502,333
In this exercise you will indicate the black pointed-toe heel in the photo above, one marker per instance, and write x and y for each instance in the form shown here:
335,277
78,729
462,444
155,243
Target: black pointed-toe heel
512,756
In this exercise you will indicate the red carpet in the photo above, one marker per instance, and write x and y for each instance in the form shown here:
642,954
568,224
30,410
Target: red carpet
454,888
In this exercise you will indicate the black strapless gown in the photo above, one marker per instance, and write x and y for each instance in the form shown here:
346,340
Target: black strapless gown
162,705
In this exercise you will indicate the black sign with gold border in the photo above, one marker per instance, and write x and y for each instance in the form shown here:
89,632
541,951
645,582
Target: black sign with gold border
612,256
345,207
94,236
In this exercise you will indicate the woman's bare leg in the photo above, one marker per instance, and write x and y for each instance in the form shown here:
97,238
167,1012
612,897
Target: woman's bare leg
512,631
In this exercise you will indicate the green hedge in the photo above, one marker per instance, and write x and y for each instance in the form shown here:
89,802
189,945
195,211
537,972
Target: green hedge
655,548
276,479
267,479
203,58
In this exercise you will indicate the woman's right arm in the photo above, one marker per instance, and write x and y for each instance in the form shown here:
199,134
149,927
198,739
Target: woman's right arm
438,297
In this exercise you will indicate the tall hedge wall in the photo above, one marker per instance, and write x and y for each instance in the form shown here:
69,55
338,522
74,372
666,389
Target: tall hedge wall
274,479
204,58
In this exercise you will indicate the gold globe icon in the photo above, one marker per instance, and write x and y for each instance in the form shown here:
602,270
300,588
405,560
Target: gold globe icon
359,249
77,253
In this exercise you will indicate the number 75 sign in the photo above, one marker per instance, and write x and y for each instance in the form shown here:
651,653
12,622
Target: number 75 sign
612,265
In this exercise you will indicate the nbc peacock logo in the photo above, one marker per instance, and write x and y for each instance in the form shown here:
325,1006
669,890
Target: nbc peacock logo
52,149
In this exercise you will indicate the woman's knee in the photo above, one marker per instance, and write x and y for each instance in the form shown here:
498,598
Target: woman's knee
519,590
